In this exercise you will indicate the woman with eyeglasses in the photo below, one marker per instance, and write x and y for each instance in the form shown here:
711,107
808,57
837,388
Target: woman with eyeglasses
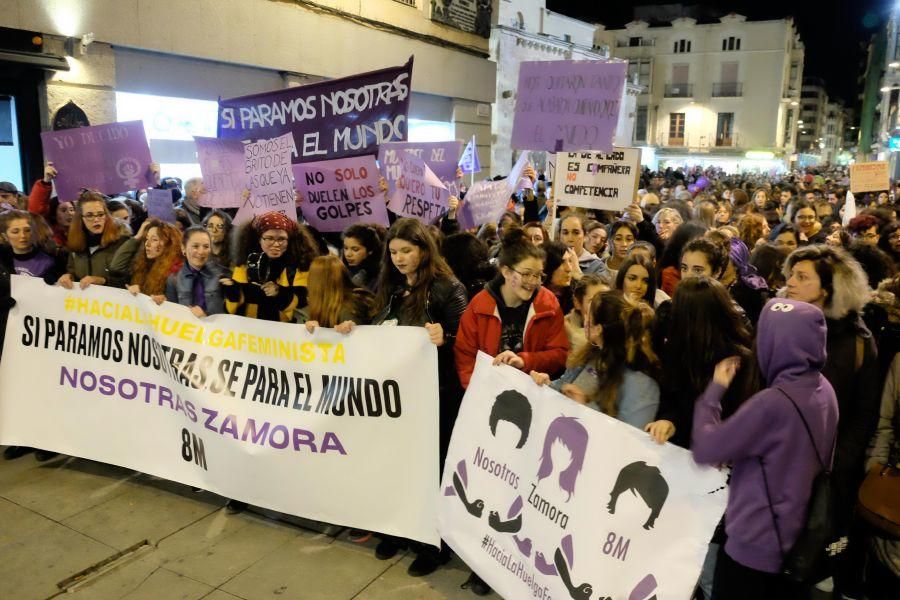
94,238
273,256
803,215
515,319
218,224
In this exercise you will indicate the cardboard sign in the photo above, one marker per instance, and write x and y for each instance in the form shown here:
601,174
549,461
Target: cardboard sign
869,177
546,498
159,205
222,166
338,193
601,180
568,106
418,192
111,158
267,164
349,116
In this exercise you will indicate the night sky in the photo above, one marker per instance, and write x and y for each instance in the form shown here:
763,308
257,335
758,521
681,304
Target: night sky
835,32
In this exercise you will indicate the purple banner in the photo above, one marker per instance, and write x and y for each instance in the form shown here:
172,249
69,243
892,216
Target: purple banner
267,164
331,119
159,205
418,192
441,158
568,106
338,193
112,158
222,166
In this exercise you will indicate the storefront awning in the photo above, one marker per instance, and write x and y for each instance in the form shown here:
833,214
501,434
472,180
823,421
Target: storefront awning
33,59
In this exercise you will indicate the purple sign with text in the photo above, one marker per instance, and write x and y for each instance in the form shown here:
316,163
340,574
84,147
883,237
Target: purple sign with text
338,193
330,119
568,105
112,158
267,164
418,192
486,201
441,157
224,176
159,205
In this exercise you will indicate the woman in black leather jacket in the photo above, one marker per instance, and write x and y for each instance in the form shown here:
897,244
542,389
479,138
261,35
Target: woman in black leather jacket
416,288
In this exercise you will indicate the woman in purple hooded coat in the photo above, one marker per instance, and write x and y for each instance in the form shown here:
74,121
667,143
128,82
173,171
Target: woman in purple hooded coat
777,441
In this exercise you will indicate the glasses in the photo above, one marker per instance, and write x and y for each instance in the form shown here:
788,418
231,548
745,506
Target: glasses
806,218
216,227
93,216
526,275
869,236
281,241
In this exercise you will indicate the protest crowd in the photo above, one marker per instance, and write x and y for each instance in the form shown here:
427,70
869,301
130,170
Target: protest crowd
708,314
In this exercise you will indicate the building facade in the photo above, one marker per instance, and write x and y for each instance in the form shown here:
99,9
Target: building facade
527,31
168,61
724,93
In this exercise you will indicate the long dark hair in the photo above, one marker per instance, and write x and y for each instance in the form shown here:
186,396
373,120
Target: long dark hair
301,250
643,261
372,239
225,253
705,327
671,256
431,266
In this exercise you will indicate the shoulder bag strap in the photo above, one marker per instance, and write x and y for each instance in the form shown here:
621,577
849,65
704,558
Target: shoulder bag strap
809,432
771,509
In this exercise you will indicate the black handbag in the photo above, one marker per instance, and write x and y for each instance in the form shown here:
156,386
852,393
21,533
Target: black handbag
813,548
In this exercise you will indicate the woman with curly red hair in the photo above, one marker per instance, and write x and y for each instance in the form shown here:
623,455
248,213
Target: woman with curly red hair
149,257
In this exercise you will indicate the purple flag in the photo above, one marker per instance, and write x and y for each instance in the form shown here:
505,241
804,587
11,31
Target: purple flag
159,205
267,164
330,119
222,166
441,158
568,105
418,193
469,162
338,193
112,158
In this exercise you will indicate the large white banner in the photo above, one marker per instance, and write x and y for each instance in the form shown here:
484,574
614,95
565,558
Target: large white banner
546,498
322,426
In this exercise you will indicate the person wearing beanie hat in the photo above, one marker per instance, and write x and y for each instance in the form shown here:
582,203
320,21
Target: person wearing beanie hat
273,256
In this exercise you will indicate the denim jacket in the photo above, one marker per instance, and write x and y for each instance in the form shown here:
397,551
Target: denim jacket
180,287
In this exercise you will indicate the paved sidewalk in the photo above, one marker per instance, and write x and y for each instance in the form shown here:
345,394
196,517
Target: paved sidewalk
68,515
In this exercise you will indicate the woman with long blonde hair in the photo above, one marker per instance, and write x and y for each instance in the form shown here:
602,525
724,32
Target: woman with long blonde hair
334,300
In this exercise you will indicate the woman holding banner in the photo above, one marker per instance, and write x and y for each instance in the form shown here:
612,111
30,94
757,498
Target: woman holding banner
273,256
94,239
335,300
149,257
416,288
196,284
363,246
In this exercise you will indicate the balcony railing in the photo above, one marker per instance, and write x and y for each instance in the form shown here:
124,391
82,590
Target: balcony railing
679,90
692,141
727,90
628,44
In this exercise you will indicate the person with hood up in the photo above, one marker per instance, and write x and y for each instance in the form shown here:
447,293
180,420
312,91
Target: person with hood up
778,441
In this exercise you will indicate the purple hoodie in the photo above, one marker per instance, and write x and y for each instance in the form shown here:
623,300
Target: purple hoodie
791,353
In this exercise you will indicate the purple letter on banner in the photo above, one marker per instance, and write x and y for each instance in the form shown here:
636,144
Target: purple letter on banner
159,205
418,192
338,193
111,158
330,119
224,177
485,202
441,157
567,106
267,164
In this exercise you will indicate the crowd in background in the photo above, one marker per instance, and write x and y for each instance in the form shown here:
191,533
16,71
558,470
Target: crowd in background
741,317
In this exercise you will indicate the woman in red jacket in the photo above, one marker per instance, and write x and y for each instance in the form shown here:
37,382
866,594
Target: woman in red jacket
514,318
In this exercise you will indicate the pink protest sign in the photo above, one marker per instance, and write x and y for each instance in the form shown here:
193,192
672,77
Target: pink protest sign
418,192
223,169
267,164
338,193
486,201
568,105
441,157
111,158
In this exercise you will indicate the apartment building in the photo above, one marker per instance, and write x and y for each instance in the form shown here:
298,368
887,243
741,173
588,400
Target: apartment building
724,93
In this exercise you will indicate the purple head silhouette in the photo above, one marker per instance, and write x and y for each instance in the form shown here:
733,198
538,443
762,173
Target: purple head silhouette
575,438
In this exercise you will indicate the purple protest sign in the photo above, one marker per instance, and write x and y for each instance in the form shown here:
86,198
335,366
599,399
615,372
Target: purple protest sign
486,201
441,158
223,169
418,192
329,119
568,105
267,164
338,193
112,158
159,205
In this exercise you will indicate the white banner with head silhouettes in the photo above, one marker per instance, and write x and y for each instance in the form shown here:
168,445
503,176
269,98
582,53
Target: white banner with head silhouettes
545,498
